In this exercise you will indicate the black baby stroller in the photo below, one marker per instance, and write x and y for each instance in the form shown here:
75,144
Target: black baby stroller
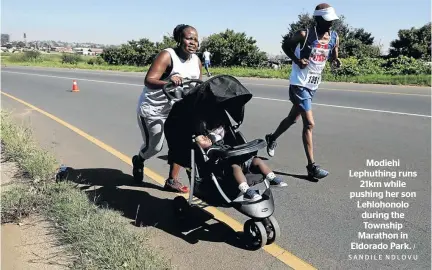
208,181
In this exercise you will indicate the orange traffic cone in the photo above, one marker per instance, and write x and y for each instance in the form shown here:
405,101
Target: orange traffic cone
75,86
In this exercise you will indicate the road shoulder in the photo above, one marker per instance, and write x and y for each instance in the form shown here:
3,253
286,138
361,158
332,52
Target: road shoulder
204,244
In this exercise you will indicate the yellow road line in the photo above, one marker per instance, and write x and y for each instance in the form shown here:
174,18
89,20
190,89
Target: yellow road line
281,254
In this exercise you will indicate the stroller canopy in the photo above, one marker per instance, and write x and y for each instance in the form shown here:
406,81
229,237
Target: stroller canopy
224,92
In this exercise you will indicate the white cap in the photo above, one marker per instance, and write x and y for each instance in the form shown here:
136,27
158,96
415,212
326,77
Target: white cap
328,14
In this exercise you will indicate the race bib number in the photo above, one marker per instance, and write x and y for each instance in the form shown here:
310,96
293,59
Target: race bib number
313,79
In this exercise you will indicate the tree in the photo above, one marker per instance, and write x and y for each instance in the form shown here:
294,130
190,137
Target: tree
167,42
143,51
356,48
305,20
20,44
137,53
233,49
361,35
353,41
412,42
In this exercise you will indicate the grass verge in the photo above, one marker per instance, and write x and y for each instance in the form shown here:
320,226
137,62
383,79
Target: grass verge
417,80
81,65
99,237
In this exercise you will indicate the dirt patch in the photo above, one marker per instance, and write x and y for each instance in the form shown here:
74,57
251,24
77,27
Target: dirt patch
9,172
31,244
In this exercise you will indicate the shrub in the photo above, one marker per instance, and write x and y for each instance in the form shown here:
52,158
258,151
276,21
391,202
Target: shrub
96,61
28,56
401,65
404,65
32,56
69,58
350,67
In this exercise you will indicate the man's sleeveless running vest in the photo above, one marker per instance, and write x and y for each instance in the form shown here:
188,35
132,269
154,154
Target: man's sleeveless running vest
318,54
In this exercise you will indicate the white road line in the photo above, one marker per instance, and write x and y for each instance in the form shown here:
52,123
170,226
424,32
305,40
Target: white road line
72,78
346,90
352,108
243,81
131,74
262,98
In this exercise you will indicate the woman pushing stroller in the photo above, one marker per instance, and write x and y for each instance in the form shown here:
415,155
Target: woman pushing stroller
213,132
170,65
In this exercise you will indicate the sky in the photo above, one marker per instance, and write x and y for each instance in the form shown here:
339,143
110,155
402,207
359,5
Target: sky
115,22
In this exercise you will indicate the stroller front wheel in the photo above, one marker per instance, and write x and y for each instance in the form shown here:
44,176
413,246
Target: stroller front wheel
255,233
272,228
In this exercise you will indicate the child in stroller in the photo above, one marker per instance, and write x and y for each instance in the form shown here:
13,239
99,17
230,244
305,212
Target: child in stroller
212,132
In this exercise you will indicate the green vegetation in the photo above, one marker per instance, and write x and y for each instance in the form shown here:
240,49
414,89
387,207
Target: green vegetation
99,237
413,42
401,70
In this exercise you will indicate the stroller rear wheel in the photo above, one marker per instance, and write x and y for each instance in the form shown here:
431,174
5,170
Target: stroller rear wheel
272,228
181,207
255,233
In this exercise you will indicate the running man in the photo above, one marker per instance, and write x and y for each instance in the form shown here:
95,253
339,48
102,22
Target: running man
207,55
309,51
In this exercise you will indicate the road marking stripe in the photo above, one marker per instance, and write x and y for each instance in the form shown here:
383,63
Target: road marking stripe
283,255
375,92
344,90
245,83
352,108
131,74
71,78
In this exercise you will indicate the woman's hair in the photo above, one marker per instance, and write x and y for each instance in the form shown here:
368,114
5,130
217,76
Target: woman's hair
178,32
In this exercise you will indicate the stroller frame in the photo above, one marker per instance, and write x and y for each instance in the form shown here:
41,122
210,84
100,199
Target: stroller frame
262,228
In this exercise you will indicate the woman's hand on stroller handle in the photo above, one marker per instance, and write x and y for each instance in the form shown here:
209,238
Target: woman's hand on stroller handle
176,80
169,88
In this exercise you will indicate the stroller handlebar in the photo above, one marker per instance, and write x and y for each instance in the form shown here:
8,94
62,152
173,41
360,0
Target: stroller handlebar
174,93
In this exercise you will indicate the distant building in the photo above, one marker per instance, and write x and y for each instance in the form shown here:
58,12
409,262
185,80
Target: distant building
82,51
96,51
88,51
62,49
5,39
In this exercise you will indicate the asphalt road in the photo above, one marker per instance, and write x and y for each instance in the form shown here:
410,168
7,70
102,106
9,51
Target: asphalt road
353,123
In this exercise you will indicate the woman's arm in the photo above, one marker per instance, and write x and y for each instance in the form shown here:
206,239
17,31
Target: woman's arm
157,69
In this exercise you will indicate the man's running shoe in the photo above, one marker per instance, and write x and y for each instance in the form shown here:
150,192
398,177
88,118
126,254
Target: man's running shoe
271,145
316,172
